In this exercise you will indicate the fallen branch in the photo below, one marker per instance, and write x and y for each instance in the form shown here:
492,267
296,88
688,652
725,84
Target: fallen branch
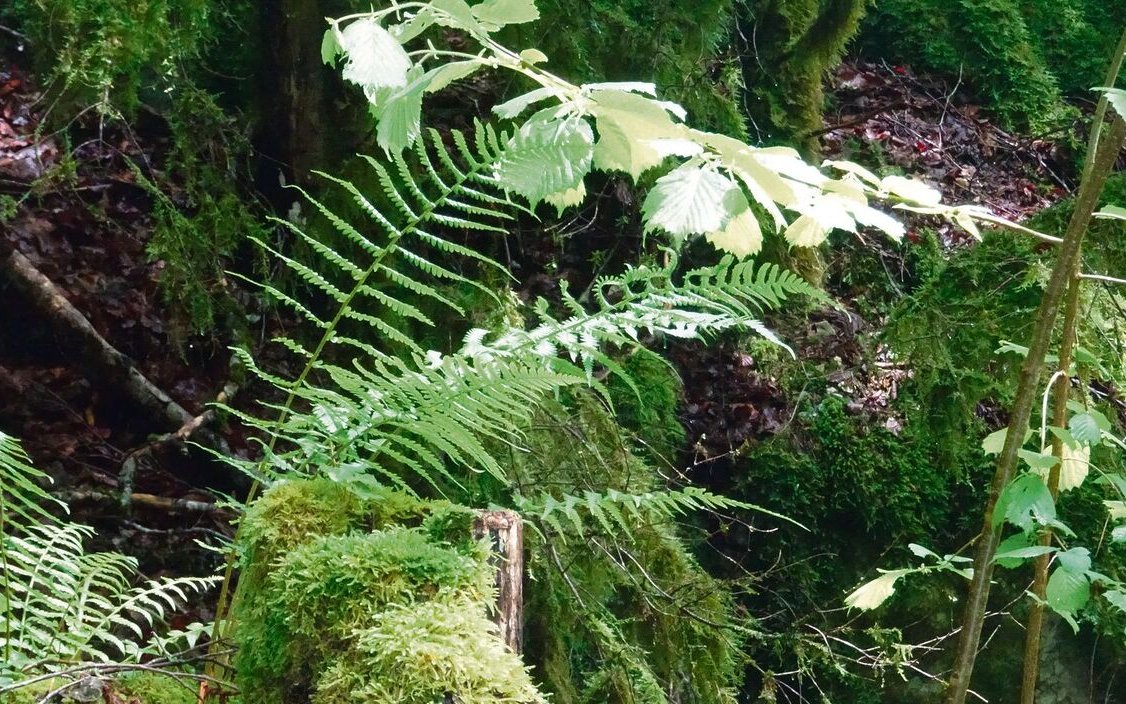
99,361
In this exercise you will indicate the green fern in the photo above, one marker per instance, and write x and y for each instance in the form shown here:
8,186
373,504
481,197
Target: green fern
421,411
61,604
22,500
615,511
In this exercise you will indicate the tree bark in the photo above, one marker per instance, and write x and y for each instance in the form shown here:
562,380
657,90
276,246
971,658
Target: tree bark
99,361
505,531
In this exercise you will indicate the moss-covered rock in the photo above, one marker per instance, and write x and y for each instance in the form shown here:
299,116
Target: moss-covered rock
323,565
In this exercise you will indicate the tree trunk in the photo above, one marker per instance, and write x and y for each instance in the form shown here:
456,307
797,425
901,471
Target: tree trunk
505,531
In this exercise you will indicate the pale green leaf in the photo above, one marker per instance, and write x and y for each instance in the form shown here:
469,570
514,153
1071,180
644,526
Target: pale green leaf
871,594
546,156
806,231
444,75
1085,429
1117,99
1026,503
1012,546
691,200
742,236
1075,559
456,14
1116,509
1075,467
1113,212
630,129
399,115
520,103
911,190
1021,554
626,86
857,169
1038,460
568,198
1118,535
495,14
330,47
994,442
375,59
1117,599
1068,591
533,57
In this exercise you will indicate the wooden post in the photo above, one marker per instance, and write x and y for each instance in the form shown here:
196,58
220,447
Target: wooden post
505,531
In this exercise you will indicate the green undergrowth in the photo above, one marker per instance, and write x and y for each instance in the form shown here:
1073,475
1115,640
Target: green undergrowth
1018,57
616,615
329,577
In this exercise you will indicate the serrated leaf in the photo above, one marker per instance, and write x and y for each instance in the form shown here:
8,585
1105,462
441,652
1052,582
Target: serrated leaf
375,59
806,231
1117,99
1116,509
994,442
330,47
742,235
1021,554
871,594
546,156
520,103
629,127
1025,503
1118,535
1038,460
1075,559
1117,599
495,14
921,551
457,14
567,199
399,115
1085,429
911,190
533,56
1068,591
446,74
1075,467
1012,544
691,200
627,86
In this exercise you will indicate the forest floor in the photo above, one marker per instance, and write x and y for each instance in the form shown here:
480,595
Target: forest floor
78,214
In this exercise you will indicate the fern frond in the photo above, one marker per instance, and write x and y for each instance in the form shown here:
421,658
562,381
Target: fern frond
21,498
64,604
615,512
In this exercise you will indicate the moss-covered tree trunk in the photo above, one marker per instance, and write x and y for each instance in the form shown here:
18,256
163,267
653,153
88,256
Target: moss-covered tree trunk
787,47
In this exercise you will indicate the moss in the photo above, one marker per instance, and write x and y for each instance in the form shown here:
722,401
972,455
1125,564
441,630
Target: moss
682,47
154,688
649,624
795,43
426,653
1017,56
315,597
649,407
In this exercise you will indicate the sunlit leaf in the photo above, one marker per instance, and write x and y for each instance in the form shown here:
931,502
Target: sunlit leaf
1117,99
911,190
742,236
690,200
806,232
546,156
375,59
495,14
871,594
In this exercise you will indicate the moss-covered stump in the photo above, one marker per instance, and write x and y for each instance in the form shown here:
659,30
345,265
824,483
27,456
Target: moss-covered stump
332,585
